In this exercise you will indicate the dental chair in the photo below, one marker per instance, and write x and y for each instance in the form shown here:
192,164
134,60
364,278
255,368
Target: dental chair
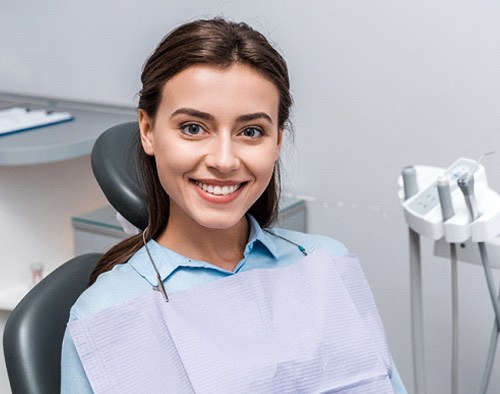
34,331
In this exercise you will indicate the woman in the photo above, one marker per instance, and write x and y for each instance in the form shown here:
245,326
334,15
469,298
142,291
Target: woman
213,111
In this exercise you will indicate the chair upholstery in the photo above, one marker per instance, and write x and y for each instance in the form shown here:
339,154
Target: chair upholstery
115,168
33,334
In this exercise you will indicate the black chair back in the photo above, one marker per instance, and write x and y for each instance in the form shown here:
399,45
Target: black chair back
33,334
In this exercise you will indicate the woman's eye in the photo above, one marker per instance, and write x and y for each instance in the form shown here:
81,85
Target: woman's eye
192,129
252,132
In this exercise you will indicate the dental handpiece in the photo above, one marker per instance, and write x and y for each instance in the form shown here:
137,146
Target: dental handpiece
466,185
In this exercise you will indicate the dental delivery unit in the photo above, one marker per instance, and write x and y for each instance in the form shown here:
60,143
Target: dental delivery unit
450,206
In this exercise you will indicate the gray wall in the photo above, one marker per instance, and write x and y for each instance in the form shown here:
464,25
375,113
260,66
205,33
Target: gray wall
377,85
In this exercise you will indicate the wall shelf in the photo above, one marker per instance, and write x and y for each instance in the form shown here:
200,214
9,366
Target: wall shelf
61,141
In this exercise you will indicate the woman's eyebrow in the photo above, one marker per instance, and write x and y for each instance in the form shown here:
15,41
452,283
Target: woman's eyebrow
255,116
192,112
206,116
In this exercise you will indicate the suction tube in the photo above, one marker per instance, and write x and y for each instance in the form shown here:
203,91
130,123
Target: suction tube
444,192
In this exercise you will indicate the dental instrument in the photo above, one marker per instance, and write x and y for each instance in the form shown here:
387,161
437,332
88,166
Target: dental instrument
445,206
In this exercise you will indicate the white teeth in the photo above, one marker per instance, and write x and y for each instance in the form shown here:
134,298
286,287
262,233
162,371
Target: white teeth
218,190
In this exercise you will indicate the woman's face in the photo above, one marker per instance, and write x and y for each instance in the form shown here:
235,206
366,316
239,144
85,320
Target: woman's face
215,139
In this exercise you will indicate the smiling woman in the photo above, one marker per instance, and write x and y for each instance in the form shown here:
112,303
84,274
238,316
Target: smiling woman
212,116
215,155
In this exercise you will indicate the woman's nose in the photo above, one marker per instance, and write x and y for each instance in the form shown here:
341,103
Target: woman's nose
223,155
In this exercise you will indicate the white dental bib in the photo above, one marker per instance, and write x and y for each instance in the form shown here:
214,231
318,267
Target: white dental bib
311,327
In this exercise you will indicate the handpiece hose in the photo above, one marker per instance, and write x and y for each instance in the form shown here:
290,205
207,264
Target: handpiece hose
466,185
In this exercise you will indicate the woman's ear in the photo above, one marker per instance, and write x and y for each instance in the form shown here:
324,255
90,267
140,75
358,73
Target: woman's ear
279,142
146,129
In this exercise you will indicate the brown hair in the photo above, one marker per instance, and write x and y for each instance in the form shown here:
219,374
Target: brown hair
215,42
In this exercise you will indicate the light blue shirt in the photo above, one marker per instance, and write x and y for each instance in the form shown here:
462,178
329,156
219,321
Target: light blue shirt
137,276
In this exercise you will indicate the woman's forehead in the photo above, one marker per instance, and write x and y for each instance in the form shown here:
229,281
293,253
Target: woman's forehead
210,86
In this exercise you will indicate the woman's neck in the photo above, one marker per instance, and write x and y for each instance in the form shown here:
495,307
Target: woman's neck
221,247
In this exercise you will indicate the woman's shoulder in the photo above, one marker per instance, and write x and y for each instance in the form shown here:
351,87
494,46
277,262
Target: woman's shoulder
313,242
111,288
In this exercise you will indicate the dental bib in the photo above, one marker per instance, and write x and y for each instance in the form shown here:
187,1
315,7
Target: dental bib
311,327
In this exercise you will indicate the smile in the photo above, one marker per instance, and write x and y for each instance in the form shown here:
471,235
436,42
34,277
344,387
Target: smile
217,190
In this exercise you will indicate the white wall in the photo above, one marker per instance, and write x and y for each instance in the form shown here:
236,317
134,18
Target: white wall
377,84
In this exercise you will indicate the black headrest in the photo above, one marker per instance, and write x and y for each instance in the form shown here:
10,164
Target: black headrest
114,164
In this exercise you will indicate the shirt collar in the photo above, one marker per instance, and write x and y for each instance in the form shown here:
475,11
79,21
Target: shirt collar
257,234
167,261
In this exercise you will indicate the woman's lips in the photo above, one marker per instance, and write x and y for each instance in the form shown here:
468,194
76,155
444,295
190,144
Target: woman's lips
219,191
